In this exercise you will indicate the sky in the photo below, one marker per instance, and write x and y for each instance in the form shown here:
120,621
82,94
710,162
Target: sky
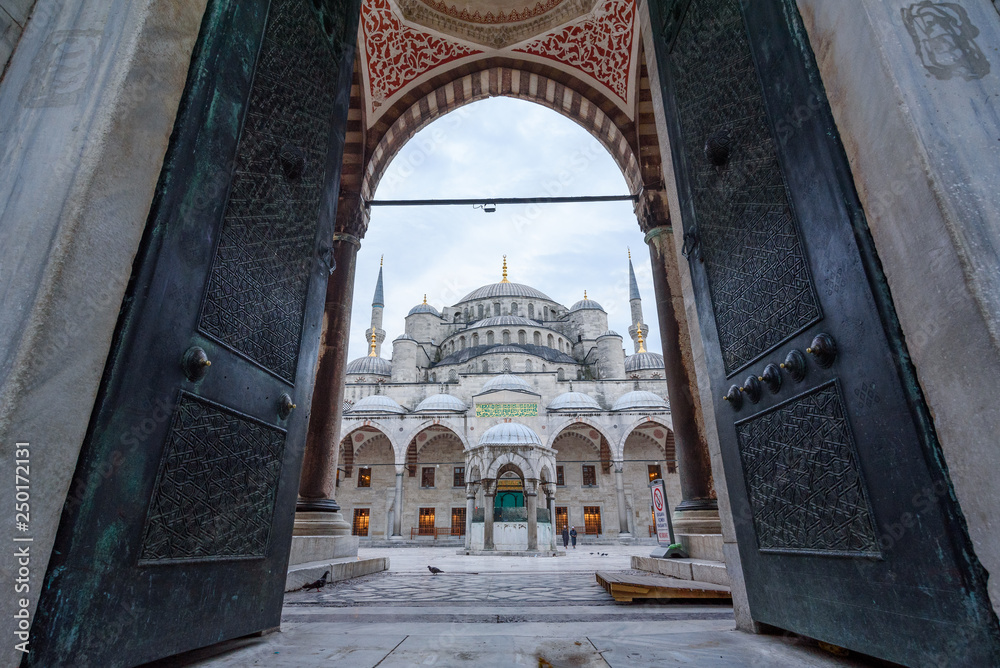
501,147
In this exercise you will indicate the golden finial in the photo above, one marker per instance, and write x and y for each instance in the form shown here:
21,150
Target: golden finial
505,270
425,297
382,260
642,346
629,253
371,353
585,295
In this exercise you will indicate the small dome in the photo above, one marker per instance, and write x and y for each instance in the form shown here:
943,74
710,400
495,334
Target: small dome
585,305
377,403
441,403
403,337
500,320
641,361
574,401
371,366
424,308
507,381
640,400
611,333
504,290
509,433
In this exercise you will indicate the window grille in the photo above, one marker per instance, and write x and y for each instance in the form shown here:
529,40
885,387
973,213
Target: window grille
426,523
589,475
560,477
592,520
458,521
364,477
360,524
459,477
427,476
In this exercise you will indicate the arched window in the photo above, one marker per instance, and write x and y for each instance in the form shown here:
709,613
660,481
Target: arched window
489,338
451,347
506,337
506,365
458,316
513,308
522,337
527,366
531,311
538,338
486,366
496,308
465,314
552,341
461,343
480,311
434,378
560,345
453,376
560,374
546,312
475,339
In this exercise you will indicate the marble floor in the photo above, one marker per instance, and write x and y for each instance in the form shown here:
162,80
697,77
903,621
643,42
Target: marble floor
497,612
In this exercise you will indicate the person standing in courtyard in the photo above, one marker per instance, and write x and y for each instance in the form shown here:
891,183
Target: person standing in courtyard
572,536
565,537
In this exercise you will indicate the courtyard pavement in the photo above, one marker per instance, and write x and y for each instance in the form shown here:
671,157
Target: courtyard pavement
497,612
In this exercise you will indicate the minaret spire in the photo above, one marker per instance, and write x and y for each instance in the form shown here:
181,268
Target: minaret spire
375,333
505,270
638,330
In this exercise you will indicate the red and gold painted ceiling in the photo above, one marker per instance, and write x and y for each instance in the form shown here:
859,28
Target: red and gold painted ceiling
406,42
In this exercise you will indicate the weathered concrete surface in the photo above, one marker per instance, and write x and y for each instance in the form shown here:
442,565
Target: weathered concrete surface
701,570
316,548
86,110
340,569
925,153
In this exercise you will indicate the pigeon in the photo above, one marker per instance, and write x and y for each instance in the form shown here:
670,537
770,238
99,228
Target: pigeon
319,584
434,570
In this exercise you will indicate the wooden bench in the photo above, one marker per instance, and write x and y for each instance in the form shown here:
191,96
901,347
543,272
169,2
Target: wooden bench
624,587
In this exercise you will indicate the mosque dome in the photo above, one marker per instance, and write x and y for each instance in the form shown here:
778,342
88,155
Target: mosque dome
574,401
501,320
505,290
611,333
404,337
377,403
371,366
441,403
509,433
507,381
641,361
507,349
640,400
424,308
585,305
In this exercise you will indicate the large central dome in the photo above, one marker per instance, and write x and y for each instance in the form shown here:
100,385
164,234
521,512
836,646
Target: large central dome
505,290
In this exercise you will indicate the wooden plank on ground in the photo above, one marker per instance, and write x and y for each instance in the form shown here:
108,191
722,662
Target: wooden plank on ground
625,587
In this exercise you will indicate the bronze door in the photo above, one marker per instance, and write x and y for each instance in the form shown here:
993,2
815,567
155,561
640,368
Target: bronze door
177,529
847,527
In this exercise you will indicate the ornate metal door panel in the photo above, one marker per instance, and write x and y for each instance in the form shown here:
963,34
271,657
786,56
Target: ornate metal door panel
177,529
847,526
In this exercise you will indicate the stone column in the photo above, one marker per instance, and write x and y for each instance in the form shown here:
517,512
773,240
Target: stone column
552,514
470,507
489,497
622,508
693,464
397,515
317,513
531,505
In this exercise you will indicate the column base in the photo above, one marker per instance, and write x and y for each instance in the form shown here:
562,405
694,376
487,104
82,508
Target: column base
395,538
320,524
697,521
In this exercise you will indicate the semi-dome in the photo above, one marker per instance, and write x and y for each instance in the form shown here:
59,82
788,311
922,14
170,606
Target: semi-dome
506,381
640,400
505,290
377,403
404,337
611,333
424,308
441,403
641,361
574,401
370,366
509,433
501,320
585,305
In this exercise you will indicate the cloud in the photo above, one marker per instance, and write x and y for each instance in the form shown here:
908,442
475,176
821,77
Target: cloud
501,147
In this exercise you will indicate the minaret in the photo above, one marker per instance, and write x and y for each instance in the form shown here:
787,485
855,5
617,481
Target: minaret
638,330
375,333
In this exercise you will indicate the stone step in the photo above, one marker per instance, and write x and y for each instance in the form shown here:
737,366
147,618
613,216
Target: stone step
340,569
625,587
701,570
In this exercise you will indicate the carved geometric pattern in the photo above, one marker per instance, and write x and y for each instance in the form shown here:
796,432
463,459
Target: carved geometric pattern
257,289
397,54
216,487
758,275
513,16
599,45
805,489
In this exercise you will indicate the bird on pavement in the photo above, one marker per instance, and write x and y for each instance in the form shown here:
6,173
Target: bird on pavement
318,584
434,570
